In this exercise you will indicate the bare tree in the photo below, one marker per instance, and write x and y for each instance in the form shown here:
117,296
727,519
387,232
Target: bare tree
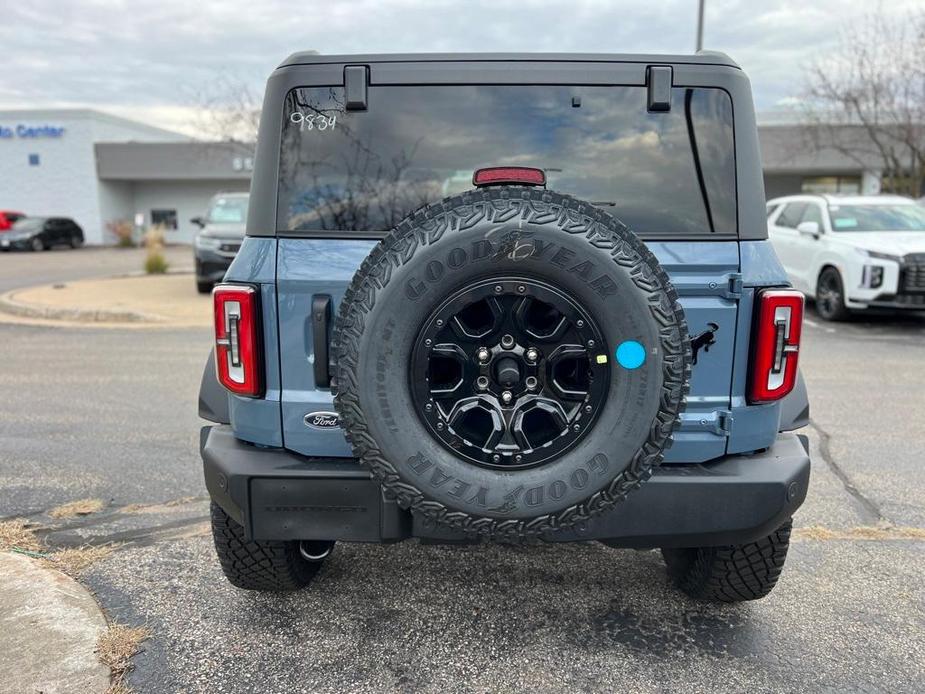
866,99
228,109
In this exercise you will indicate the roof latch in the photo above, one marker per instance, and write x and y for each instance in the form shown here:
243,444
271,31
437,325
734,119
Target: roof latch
356,78
658,85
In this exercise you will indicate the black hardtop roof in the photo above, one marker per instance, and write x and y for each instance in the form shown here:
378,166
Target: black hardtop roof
699,58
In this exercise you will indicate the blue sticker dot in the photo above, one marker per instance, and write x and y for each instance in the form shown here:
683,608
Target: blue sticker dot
631,354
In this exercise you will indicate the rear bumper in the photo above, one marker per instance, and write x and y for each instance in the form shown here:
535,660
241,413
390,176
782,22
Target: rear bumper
278,495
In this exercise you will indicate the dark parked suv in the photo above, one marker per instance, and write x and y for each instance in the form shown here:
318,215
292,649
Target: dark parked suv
509,298
219,238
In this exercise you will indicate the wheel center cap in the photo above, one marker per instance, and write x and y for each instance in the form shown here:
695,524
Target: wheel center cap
507,372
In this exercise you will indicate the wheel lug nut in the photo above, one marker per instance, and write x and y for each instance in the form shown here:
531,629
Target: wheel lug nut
580,323
439,322
532,354
498,289
577,427
440,426
428,407
507,341
588,408
531,382
518,458
521,289
506,397
496,458
481,382
590,343
483,354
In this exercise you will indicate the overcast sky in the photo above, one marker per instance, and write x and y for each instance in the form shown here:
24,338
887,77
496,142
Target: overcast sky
147,59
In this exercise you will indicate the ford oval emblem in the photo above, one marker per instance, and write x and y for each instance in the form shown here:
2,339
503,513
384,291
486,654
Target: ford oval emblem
322,420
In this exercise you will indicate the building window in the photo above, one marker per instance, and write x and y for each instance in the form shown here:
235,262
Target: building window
164,218
33,160
850,185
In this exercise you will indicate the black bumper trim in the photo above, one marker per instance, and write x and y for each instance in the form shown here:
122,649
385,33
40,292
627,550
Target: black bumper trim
279,495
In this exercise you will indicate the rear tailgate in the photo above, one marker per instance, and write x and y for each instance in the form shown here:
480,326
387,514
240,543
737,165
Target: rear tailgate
706,275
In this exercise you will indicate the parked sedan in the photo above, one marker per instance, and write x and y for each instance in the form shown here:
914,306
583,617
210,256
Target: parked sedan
852,253
40,233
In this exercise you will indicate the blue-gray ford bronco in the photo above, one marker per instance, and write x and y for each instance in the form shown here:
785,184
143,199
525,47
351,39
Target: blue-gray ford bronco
512,298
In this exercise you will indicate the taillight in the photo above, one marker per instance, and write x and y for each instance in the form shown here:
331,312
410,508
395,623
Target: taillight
776,344
506,175
237,339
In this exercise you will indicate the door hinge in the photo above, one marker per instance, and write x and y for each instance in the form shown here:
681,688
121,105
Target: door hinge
733,286
717,422
724,421
727,285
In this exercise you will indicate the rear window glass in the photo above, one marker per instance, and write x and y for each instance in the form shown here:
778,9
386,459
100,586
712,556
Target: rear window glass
661,173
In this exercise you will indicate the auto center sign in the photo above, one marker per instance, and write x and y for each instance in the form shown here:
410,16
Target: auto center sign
26,131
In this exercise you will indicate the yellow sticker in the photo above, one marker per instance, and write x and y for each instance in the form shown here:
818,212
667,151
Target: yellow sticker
601,358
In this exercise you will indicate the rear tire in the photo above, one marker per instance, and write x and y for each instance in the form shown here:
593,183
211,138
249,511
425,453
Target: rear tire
733,573
37,245
830,296
204,287
267,565
76,242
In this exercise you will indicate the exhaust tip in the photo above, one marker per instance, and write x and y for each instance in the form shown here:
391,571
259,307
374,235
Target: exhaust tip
315,550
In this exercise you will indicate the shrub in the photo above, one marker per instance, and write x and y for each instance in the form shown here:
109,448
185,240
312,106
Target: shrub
123,231
155,262
154,238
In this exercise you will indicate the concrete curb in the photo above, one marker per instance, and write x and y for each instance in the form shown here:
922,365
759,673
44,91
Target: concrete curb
9,304
49,626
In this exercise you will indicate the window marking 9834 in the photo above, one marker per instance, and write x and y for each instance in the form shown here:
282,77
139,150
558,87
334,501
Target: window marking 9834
312,121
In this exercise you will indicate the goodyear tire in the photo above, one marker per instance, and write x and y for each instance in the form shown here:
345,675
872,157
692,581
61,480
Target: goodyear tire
592,275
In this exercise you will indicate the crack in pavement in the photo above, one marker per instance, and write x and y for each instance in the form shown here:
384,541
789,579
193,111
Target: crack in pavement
137,536
108,513
868,506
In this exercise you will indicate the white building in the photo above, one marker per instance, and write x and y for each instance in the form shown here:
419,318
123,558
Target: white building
98,168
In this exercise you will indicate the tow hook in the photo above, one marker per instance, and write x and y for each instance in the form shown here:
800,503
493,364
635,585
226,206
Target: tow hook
704,340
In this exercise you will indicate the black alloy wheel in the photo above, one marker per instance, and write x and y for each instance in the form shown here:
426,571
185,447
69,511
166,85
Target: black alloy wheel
509,372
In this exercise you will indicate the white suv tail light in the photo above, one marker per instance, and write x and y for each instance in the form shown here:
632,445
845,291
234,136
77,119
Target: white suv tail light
775,344
238,361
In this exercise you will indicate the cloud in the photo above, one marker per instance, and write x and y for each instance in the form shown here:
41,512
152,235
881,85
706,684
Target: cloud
151,57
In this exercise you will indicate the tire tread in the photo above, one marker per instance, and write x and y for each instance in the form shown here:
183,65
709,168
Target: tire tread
732,573
266,565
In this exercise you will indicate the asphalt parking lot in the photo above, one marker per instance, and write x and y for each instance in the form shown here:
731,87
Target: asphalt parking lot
111,414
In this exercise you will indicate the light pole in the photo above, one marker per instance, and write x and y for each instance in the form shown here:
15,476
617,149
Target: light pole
700,25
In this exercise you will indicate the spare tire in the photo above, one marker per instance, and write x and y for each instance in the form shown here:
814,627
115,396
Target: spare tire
510,361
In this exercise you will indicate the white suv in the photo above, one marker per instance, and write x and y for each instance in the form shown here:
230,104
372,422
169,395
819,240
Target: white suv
852,252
